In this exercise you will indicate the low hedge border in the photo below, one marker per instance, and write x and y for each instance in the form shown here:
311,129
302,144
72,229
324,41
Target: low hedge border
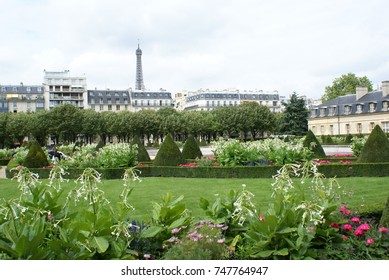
4,162
329,170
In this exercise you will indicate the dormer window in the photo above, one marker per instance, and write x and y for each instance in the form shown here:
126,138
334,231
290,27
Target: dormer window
331,111
359,108
347,110
385,105
372,107
322,112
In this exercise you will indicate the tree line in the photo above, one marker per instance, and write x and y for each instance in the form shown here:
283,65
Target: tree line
68,124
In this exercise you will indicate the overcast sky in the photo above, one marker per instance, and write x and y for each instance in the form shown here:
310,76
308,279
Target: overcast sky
290,46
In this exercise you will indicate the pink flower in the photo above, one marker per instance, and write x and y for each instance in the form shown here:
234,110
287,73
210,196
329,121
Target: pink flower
383,229
347,227
147,256
364,227
335,225
173,239
370,241
344,236
344,210
221,240
50,217
175,230
225,228
261,218
356,220
358,232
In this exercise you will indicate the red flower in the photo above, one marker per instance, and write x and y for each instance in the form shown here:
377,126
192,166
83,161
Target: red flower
370,241
261,218
356,220
358,232
383,229
344,210
364,227
335,225
347,227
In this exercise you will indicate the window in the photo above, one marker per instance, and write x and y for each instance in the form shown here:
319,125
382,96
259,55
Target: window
117,107
331,111
109,107
359,108
101,107
385,126
385,106
322,112
314,129
372,125
28,89
332,129
372,107
347,110
39,89
359,128
347,128
322,130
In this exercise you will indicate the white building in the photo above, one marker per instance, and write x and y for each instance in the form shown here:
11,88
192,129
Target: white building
63,88
204,100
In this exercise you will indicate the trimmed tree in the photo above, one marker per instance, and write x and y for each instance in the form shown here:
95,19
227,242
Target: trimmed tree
376,148
169,154
384,222
36,157
143,155
191,149
314,145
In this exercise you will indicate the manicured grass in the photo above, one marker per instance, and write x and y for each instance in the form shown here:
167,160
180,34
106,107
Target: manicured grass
369,194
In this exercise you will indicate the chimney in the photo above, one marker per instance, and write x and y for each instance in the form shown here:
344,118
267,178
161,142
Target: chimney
385,88
361,92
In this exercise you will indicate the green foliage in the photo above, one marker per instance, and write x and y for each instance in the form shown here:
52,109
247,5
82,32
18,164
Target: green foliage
311,142
295,224
143,155
294,120
169,154
205,241
345,84
376,148
357,144
40,226
384,222
171,213
36,157
328,140
191,149
348,139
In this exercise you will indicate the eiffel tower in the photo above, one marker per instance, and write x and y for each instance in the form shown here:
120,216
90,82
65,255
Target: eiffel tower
139,85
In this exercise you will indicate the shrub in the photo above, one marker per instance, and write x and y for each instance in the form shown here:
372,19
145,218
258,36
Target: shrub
384,222
169,154
143,155
329,140
348,139
36,157
314,145
191,149
376,148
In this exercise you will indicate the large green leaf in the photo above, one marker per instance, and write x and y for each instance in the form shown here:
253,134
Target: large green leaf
100,243
151,231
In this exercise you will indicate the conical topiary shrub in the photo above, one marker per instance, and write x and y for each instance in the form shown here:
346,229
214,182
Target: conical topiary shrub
36,157
376,148
191,149
143,155
169,154
314,145
384,222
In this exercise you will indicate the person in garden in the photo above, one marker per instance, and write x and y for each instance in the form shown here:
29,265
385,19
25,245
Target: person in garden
56,155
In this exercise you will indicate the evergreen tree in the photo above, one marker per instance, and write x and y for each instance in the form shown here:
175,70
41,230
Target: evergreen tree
191,149
169,154
295,118
314,145
376,148
36,157
143,155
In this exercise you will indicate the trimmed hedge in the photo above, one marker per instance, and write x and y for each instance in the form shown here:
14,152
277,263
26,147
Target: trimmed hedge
329,170
4,162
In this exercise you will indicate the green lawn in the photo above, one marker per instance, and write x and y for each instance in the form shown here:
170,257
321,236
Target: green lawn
369,194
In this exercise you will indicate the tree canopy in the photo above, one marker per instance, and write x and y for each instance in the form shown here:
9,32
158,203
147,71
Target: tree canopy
294,119
346,84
